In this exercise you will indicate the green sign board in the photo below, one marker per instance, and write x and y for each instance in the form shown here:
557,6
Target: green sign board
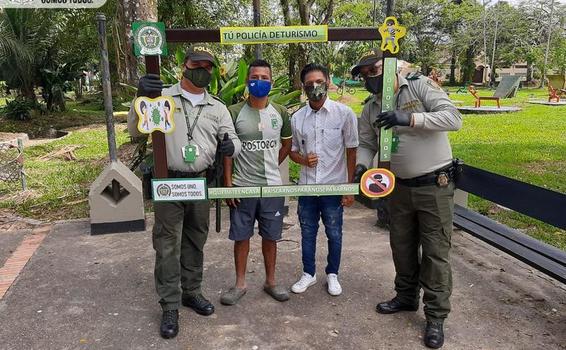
234,192
387,104
196,189
275,34
310,190
149,38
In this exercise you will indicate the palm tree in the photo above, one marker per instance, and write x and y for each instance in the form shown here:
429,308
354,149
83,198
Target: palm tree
26,35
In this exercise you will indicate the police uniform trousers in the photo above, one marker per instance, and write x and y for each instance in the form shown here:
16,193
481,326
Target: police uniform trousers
179,234
422,217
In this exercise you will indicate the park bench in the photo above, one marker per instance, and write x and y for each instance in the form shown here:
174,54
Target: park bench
556,87
478,98
553,94
506,88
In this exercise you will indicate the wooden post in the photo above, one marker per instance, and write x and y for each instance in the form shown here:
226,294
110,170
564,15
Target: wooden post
157,137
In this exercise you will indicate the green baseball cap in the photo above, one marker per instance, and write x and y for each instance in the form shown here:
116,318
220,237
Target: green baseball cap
200,53
368,58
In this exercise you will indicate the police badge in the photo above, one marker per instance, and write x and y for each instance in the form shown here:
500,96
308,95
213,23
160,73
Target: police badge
442,180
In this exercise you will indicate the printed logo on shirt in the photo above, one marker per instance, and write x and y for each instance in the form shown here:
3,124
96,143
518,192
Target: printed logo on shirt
274,122
259,145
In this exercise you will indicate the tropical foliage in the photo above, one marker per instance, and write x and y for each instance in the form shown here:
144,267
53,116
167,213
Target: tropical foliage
229,81
43,52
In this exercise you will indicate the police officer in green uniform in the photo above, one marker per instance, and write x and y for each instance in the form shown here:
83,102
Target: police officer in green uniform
421,206
181,228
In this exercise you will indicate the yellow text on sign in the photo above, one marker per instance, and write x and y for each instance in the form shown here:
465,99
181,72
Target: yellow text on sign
274,35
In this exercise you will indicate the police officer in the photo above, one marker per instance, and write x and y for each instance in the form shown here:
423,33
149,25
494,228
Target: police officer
421,206
181,228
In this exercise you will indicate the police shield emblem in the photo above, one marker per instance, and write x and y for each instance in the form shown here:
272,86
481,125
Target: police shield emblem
149,38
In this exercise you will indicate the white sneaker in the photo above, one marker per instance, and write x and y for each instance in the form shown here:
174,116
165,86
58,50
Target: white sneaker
302,284
334,287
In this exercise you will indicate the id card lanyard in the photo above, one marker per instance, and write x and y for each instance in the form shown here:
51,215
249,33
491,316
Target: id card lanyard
190,152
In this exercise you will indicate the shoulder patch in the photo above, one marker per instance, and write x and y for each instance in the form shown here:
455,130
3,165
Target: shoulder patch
413,75
433,84
217,99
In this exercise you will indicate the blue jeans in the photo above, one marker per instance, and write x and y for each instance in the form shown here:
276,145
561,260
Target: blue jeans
310,210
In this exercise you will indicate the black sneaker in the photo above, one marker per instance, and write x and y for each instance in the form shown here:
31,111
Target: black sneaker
198,303
169,324
434,334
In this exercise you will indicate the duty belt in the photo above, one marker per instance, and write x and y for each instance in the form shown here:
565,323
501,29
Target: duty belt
440,177
182,174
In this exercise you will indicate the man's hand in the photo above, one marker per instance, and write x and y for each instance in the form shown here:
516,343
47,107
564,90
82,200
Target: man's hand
150,84
233,202
347,200
227,146
311,160
392,118
358,172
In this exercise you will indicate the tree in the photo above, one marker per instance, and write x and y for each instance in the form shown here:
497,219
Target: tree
425,35
460,20
308,12
129,11
27,36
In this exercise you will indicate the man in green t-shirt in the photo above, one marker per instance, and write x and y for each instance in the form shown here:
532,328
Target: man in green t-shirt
264,129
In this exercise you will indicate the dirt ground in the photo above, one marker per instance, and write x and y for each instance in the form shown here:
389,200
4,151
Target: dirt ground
97,292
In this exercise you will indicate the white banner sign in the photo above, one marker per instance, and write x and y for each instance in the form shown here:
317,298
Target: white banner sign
166,190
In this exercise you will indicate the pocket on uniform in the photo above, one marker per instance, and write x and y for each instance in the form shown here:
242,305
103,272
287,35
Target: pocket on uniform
332,138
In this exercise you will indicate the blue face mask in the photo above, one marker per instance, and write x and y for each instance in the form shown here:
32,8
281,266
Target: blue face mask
259,88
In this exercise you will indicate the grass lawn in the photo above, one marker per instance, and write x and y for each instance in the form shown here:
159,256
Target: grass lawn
529,146
77,114
57,188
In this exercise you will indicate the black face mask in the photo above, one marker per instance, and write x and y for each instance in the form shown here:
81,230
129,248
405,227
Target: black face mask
200,77
374,84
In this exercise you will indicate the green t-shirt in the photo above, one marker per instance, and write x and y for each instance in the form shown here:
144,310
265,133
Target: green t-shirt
260,132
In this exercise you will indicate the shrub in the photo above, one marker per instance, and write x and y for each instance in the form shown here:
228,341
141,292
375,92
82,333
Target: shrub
19,109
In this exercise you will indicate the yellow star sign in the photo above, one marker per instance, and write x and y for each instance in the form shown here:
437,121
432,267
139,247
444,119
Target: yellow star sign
391,32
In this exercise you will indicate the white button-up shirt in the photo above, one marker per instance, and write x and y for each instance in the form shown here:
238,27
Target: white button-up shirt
326,132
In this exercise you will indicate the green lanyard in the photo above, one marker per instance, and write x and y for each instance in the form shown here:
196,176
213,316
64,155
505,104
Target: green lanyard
388,95
190,128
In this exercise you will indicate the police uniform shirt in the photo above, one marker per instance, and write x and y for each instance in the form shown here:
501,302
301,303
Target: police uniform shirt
214,121
423,148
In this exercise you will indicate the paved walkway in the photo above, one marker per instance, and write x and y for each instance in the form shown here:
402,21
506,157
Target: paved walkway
96,292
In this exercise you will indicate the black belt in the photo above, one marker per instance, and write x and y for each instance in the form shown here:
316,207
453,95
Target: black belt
182,174
441,177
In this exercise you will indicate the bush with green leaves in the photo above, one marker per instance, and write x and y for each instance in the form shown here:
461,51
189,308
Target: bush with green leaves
19,109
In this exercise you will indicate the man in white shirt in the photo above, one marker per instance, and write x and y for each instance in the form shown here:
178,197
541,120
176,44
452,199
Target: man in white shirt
325,138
